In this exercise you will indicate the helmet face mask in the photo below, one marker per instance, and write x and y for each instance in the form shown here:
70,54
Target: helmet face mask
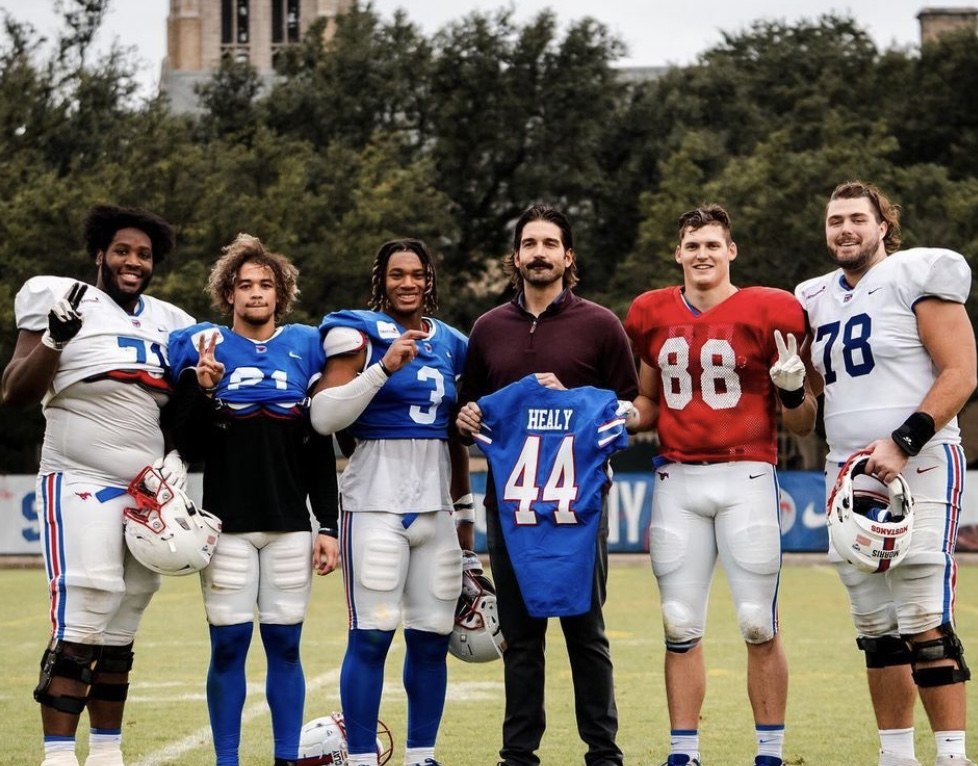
166,532
322,742
476,635
870,525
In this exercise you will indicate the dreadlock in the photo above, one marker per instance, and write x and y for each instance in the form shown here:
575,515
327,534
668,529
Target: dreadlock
378,276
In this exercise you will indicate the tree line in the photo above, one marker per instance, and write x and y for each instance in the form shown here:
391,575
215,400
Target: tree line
391,132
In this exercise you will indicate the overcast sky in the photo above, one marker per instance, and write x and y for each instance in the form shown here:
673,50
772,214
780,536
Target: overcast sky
656,32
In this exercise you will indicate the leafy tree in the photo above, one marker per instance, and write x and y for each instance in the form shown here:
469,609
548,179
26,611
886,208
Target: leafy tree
228,100
938,122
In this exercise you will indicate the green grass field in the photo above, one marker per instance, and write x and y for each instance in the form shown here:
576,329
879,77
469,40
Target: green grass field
829,718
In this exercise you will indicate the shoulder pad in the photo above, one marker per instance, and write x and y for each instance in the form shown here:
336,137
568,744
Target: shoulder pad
343,340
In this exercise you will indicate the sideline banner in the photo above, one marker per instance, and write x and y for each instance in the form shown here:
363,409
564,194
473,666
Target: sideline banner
629,506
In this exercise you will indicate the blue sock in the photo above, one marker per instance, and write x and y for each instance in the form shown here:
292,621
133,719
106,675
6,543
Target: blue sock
285,686
226,688
361,686
425,681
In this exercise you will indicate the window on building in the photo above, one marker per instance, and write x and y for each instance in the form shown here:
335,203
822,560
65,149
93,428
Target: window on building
285,24
235,34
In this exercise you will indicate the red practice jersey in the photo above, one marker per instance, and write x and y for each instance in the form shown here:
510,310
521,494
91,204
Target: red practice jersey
716,400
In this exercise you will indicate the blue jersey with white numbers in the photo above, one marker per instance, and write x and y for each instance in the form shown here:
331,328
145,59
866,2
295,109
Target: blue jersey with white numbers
547,449
418,400
273,375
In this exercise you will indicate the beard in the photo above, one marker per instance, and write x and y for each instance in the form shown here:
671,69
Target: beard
541,277
110,282
858,262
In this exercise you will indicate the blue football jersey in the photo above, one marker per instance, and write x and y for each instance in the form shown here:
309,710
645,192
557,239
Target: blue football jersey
547,449
275,374
418,400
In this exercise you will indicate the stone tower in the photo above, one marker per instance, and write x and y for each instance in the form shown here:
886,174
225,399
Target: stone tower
936,21
200,32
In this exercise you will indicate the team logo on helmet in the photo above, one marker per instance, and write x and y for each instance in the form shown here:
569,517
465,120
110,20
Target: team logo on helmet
166,532
870,526
322,742
476,635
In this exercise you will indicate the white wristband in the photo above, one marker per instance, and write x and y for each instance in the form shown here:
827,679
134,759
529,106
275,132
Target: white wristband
51,343
464,509
333,409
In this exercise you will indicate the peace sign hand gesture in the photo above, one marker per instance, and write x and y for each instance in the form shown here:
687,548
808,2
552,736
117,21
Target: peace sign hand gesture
209,369
788,373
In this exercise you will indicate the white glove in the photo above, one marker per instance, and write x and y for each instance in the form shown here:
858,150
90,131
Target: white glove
788,373
172,469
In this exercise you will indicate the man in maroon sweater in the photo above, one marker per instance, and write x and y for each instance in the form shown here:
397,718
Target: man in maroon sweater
568,342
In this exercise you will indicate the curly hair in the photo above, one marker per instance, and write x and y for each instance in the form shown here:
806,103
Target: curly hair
541,212
883,209
705,215
103,221
248,249
378,275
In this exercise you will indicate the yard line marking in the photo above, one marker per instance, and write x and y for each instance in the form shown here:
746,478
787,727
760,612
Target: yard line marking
172,752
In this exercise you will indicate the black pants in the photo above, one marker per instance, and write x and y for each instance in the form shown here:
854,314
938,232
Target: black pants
524,661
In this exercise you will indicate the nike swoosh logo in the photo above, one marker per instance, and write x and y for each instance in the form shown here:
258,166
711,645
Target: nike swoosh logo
812,518
925,470
874,290
294,355
755,476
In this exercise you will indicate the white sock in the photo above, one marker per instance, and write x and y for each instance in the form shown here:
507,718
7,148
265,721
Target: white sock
104,739
361,759
950,743
685,741
898,742
417,755
770,740
59,751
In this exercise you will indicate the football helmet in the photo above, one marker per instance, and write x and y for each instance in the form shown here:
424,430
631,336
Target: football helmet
166,532
322,742
476,635
869,526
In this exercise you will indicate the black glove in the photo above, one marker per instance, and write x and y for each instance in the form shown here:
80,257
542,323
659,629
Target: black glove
64,321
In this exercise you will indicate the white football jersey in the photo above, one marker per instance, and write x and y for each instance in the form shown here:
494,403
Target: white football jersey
102,409
867,347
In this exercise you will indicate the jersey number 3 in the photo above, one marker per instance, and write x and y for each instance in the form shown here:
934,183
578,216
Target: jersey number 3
560,486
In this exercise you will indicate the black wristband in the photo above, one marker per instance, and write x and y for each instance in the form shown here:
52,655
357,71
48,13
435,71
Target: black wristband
915,432
384,368
791,399
329,531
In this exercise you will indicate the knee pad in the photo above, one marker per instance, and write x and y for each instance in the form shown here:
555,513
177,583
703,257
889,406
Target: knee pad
682,631
114,659
947,647
756,623
65,659
884,651
369,646
425,646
